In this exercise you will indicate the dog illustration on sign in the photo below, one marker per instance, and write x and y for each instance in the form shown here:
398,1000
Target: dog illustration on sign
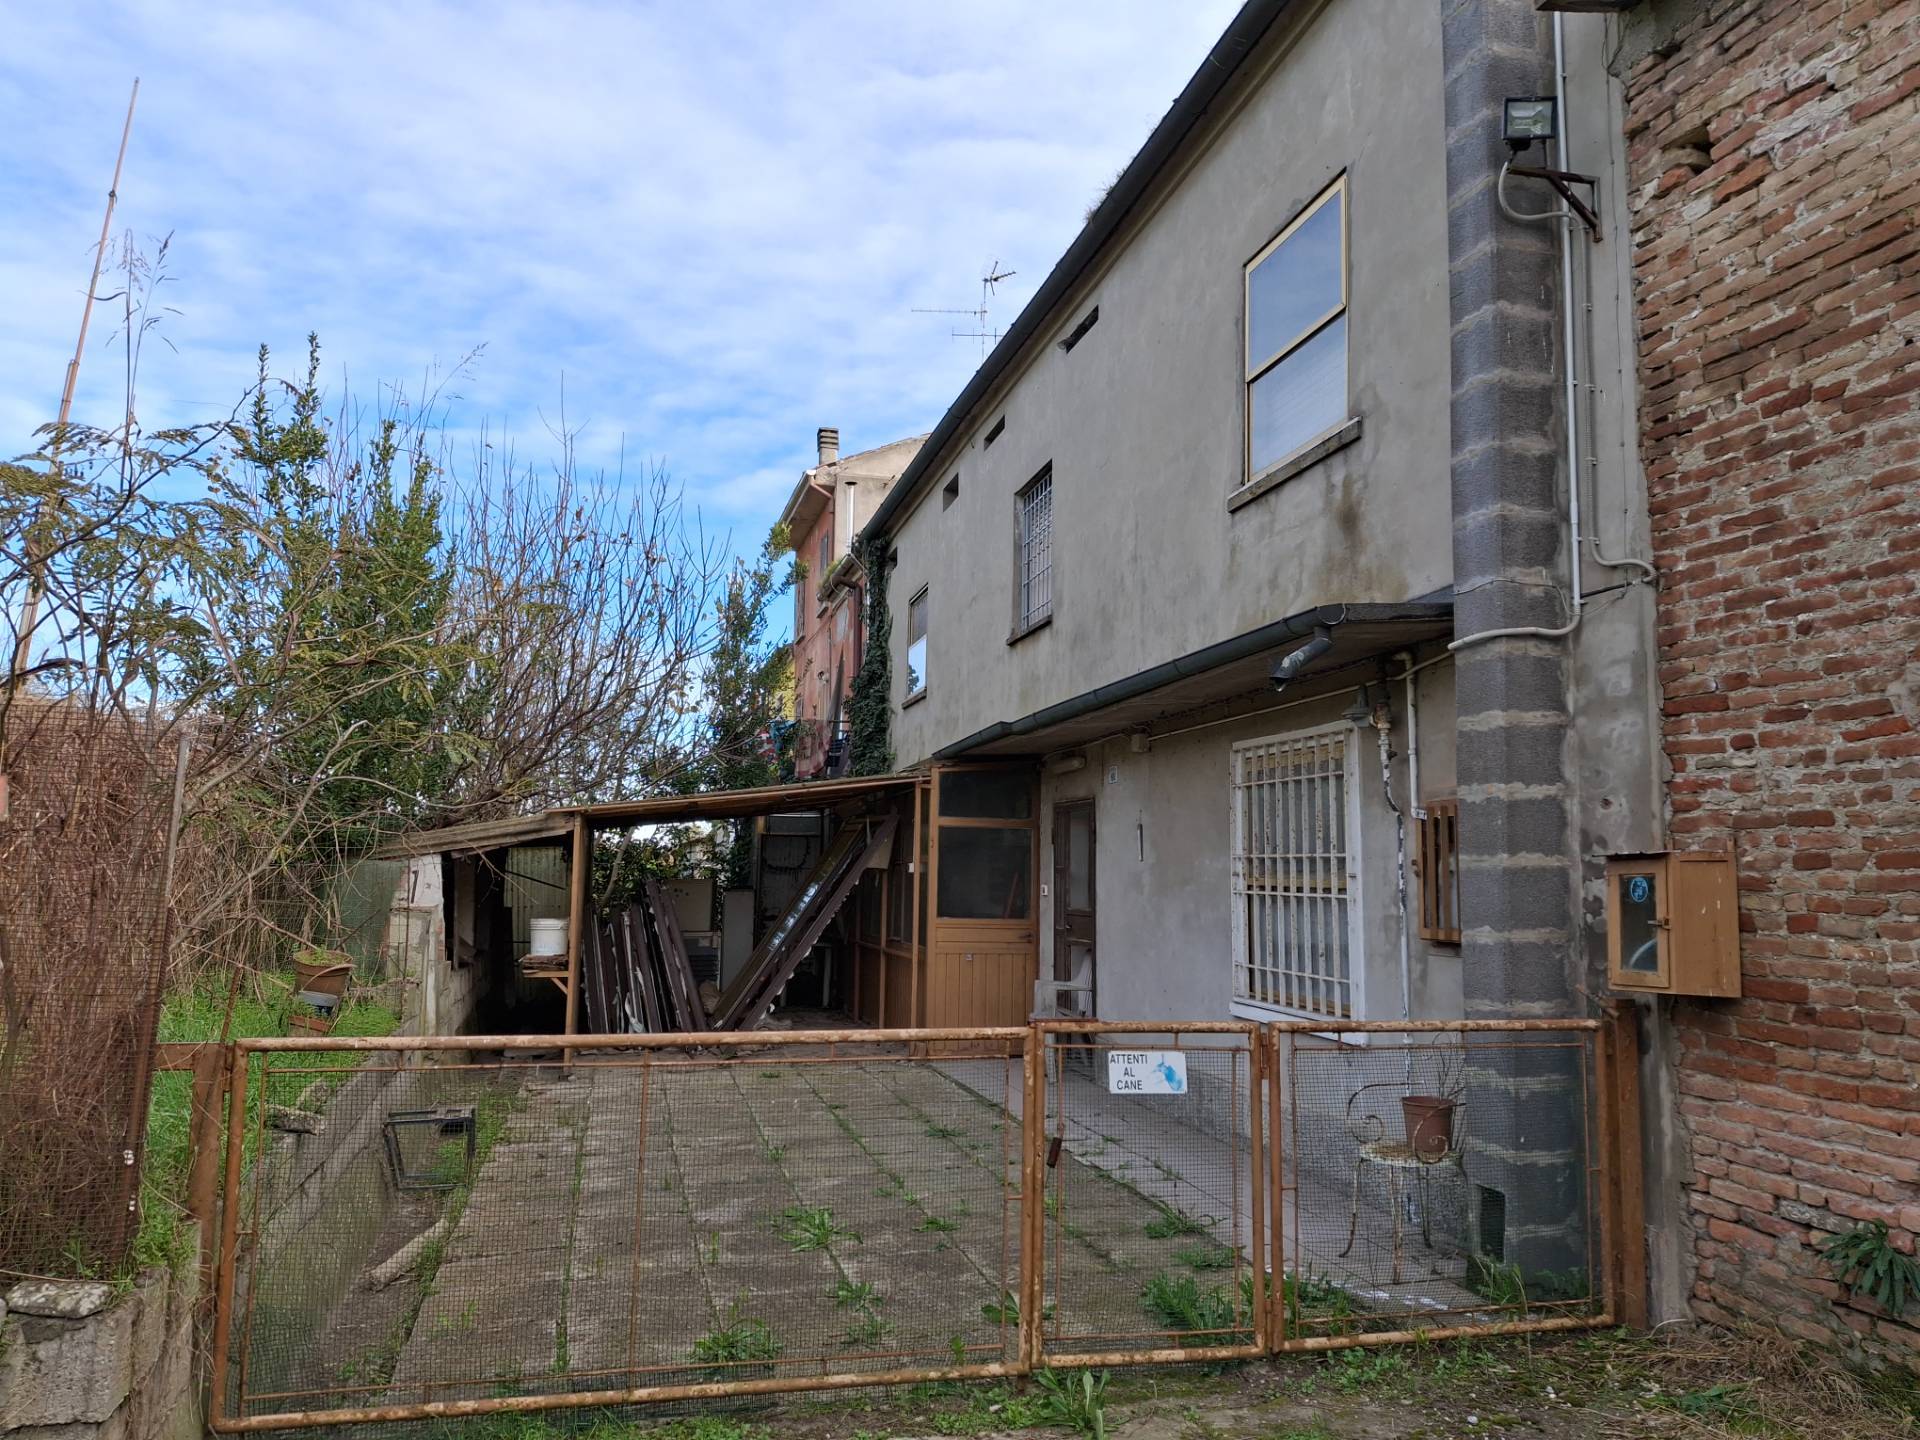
1146,1072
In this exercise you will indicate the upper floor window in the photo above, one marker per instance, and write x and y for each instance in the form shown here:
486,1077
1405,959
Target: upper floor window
917,645
826,560
1034,602
1296,327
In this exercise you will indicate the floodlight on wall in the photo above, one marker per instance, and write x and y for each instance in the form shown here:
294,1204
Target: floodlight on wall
1527,118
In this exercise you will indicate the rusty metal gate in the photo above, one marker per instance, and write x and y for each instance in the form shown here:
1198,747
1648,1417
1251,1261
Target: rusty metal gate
418,1228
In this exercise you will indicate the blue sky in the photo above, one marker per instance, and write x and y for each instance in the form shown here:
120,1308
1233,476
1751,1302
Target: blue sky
708,223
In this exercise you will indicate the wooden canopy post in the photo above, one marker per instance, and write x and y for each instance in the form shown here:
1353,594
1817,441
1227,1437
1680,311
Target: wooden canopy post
576,922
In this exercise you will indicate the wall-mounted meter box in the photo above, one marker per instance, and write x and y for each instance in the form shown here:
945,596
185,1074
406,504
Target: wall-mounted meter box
1673,924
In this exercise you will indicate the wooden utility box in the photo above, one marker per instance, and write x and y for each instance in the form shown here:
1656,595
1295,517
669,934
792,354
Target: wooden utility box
1673,924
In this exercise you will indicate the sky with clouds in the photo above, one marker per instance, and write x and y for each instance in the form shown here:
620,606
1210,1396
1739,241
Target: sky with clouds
707,225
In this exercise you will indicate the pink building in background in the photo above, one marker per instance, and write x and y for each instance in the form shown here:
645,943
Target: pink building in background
826,511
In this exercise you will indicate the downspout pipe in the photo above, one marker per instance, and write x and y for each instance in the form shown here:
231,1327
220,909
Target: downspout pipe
1294,661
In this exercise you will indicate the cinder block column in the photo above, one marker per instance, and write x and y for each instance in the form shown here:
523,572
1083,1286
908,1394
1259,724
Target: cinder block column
1517,875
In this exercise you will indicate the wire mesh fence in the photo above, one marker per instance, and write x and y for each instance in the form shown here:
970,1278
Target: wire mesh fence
1435,1180
1152,1210
420,1229
85,796
421,1233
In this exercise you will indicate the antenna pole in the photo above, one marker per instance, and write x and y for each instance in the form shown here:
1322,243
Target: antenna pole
36,564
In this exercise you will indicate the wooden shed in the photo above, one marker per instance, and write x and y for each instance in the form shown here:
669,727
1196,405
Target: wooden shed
927,887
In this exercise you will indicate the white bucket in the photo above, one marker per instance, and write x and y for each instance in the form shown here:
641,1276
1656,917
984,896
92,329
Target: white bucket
547,937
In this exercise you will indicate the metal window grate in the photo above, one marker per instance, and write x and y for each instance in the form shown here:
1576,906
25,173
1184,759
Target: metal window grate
1293,941
1036,550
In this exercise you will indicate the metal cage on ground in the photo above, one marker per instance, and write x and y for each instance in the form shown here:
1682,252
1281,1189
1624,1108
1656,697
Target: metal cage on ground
675,1218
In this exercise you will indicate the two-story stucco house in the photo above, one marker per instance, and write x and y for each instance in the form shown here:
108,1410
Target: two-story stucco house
826,510
1268,605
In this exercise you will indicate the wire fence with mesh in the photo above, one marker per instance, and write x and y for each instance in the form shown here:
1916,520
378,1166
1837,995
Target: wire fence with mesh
85,798
652,1217
422,1229
1152,1209
1435,1181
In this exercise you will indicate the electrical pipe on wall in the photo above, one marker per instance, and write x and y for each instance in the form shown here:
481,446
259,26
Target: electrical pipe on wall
1569,334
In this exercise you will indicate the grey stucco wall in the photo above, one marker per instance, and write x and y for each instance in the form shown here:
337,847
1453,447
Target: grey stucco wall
1163,849
1143,420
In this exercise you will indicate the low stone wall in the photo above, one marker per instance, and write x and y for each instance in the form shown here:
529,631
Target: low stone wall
78,1362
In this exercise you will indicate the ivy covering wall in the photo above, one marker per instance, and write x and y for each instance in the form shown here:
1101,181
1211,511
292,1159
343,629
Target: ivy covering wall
869,706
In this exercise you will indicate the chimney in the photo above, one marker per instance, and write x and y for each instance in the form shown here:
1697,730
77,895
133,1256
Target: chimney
829,445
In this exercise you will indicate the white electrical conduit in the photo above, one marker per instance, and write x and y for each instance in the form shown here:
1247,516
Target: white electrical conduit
1575,484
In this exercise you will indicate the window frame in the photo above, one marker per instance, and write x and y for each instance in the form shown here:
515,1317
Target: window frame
1026,619
1252,374
921,598
1244,1006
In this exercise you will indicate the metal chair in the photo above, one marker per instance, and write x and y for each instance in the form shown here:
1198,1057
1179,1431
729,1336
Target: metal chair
1402,1162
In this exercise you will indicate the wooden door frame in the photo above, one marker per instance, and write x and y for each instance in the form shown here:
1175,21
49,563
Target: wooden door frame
937,929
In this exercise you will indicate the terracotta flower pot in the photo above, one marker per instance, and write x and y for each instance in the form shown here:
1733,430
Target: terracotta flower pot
1429,1122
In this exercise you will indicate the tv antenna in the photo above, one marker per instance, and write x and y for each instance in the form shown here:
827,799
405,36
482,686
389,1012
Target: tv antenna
984,333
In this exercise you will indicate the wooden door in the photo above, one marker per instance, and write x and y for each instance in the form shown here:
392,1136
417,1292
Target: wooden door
983,947
1073,906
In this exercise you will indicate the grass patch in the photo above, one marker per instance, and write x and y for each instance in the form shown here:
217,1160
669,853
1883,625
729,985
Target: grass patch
1183,1309
197,1015
1206,1257
738,1342
1170,1224
1356,1370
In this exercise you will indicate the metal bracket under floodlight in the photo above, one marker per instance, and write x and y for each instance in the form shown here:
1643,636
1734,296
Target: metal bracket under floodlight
1525,119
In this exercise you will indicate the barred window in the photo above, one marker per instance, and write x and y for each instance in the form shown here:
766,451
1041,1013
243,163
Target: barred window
1035,507
1293,943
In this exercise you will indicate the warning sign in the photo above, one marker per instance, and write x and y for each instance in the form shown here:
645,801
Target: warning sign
1146,1072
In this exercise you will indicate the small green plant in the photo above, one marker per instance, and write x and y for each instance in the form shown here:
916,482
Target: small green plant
738,1342
1313,1302
1865,1261
1170,1223
937,1131
812,1227
1206,1257
1076,1400
1728,1404
1182,1308
865,1331
774,1153
857,1295
1051,1204
1364,1369
1501,1283
938,1224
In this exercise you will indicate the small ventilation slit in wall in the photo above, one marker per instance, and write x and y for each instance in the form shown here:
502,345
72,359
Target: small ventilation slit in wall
1493,1223
1079,331
950,492
993,434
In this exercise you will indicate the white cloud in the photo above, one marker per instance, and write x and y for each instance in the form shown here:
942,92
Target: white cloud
712,220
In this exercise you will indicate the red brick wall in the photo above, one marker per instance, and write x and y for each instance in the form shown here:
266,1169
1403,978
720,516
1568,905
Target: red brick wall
1777,274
